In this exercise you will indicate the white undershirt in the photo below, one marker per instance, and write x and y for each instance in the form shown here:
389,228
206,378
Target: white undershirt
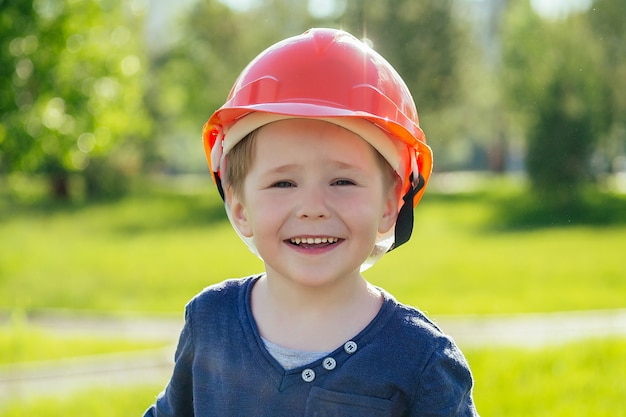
291,358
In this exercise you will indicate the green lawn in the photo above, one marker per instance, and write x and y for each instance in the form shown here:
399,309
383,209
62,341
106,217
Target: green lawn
20,343
583,379
100,402
455,263
574,380
152,252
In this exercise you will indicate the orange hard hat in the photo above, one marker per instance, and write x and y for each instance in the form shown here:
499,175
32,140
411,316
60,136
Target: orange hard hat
330,75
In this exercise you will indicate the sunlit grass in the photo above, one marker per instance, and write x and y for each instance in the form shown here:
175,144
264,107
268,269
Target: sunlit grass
574,380
21,343
584,379
154,251
456,264
97,402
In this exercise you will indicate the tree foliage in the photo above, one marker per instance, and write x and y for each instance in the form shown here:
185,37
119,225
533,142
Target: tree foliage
217,52
191,78
554,80
432,48
609,26
84,94
72,94
421,39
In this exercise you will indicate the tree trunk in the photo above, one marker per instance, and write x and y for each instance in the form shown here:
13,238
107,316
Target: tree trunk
59,186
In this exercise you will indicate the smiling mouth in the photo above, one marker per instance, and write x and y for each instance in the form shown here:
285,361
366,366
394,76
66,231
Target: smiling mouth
309,242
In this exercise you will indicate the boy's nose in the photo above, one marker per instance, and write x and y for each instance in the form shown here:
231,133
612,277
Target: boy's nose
314,204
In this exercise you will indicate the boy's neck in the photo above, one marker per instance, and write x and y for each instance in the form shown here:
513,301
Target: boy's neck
312,318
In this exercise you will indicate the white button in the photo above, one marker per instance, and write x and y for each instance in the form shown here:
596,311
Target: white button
308,375
329,364
350,347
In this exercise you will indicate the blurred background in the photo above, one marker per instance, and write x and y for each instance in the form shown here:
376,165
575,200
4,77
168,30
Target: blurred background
96,92
109,223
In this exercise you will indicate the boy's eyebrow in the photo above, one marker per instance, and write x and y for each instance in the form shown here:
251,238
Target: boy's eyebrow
333,164
346,165
282,168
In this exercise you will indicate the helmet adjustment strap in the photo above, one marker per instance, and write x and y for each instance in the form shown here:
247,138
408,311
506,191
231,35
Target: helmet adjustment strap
218,183
404,222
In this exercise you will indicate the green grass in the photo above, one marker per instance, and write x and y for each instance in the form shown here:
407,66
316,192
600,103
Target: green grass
100,402
470,253
574,380
153,251
459,262
20,344
584,379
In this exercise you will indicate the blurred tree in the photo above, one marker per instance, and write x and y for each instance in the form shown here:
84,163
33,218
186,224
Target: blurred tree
71,95
191,77
442,63
608,23
554,81
419,38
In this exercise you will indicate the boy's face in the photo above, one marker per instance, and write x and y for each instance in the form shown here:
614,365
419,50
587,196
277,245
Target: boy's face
314,200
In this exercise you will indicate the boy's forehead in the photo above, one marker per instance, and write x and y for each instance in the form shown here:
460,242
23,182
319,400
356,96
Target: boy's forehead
363,129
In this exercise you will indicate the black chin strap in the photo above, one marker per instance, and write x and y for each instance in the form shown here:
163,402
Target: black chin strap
218,183
404,222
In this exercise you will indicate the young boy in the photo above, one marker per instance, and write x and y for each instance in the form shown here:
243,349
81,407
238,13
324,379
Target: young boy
320,160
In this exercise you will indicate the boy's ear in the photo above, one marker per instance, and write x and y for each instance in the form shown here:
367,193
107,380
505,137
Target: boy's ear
391,208
238,212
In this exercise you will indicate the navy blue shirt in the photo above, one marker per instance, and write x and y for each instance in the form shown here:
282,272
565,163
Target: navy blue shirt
401,364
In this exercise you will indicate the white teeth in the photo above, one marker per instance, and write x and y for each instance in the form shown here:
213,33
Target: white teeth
314,240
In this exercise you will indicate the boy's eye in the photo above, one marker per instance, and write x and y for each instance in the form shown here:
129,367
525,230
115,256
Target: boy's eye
343,182
283,184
